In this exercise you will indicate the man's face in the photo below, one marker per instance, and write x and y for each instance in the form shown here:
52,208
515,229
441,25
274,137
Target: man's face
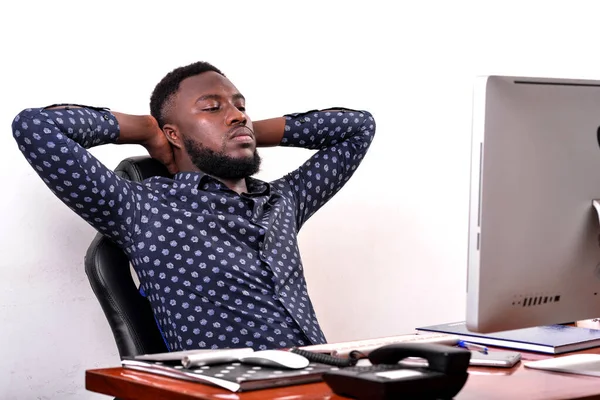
217,134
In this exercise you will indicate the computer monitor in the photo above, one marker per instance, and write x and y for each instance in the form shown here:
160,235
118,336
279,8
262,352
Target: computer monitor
534,244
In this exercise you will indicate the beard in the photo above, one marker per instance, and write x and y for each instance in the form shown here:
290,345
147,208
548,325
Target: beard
220,165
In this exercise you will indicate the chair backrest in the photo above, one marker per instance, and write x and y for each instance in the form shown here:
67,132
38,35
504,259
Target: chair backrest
128,313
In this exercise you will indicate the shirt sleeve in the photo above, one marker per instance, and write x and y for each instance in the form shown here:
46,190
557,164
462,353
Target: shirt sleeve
342,138
54,142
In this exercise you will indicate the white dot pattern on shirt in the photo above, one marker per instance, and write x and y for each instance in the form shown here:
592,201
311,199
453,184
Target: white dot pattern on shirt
219,269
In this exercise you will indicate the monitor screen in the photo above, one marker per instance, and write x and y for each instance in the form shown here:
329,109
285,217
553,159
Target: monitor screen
534,236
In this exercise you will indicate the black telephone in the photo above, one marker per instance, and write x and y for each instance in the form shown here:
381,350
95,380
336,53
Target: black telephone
443,378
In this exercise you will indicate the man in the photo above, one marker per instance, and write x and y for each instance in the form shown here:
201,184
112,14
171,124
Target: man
216,250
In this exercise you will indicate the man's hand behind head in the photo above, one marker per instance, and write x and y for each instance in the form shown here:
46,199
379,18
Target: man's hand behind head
159,148
144,130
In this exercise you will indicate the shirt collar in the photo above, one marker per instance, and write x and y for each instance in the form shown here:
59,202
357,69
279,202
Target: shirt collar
190,178
196,178
258,187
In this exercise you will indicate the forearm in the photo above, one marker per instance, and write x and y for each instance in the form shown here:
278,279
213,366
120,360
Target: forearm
85,126
269,132
130,129
342,138
54,142
319,130
136,129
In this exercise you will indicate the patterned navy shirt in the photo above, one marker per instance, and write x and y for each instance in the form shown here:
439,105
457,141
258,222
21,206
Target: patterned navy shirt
220,269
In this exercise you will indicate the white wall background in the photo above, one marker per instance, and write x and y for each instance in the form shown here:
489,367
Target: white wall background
386,255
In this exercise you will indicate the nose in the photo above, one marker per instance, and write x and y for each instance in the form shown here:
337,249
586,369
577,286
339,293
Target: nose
235,116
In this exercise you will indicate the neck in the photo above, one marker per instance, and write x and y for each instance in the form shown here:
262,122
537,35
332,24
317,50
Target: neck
237,185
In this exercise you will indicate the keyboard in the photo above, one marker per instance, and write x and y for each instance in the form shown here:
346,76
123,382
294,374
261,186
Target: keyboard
343,349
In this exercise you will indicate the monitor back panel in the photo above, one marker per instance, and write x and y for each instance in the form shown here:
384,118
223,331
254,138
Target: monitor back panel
534,255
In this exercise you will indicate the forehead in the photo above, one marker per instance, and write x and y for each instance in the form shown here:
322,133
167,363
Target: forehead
207,83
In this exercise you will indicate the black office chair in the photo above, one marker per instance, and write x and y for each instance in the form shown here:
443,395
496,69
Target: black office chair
128,313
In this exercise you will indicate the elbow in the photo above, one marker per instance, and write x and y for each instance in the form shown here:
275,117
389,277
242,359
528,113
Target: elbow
369,122
23,121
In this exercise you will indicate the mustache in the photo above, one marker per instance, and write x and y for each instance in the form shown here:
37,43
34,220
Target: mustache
238,127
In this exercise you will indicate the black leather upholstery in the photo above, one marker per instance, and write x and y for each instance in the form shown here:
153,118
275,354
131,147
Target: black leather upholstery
107,267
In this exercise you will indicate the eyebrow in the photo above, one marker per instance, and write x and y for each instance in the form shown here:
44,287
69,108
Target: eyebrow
237,96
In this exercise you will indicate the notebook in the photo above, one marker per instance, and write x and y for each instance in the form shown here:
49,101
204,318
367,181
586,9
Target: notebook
199,357
233,376
551,339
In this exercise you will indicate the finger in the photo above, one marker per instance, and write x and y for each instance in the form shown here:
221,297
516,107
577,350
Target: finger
172,168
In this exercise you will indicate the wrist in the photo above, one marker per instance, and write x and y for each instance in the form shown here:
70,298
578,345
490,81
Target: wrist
151,131
269,132
137,129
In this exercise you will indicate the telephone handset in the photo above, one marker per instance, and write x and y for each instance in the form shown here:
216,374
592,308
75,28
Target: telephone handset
443,378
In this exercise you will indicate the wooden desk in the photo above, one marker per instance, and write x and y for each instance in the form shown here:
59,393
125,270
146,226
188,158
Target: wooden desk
483,384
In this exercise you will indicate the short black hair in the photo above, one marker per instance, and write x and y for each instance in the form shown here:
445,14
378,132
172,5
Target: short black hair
168,86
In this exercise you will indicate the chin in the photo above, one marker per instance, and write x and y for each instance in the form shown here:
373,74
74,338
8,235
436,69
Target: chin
247,154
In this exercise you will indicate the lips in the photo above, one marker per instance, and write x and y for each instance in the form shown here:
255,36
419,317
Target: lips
242,131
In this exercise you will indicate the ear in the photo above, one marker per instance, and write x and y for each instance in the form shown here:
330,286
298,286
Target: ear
173,135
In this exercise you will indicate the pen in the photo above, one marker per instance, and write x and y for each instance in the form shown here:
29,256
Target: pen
472,346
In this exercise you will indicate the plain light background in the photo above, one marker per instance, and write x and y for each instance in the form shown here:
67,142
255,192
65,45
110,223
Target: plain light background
386,255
